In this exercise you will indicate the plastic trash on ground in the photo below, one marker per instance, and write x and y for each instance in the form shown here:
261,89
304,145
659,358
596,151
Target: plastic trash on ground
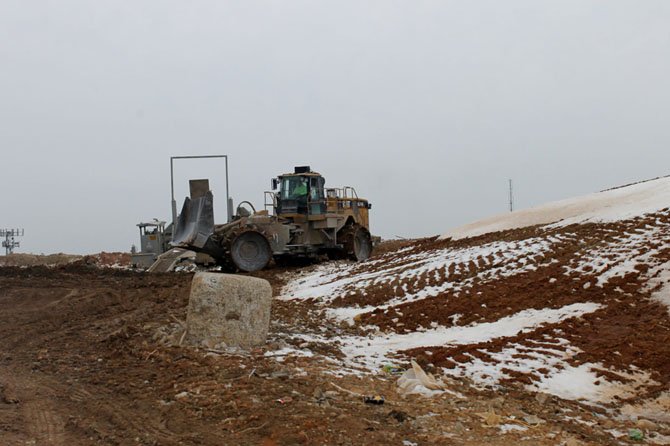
416,381
375,399
391,369
636,435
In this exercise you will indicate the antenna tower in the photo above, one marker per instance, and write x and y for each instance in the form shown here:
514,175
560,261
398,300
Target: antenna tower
511,197
9,243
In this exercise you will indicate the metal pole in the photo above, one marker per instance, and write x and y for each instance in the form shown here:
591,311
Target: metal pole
511,197
174,202
229,211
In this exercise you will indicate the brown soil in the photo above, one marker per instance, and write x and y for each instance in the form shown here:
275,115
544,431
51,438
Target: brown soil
103,259
630,330
86,358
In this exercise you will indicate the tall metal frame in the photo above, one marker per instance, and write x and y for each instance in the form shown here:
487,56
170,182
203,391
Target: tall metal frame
174,202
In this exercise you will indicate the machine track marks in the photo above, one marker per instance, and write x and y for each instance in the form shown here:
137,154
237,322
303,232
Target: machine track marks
117,417
45,426
31,405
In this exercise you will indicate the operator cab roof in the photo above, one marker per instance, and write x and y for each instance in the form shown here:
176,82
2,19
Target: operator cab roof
302,171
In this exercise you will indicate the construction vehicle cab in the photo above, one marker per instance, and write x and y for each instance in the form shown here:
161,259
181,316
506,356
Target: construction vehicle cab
301,192
154,238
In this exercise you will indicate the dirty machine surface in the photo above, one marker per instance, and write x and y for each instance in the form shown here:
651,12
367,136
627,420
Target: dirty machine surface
307,220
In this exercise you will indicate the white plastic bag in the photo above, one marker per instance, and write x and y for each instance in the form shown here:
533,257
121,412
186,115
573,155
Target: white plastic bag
416,381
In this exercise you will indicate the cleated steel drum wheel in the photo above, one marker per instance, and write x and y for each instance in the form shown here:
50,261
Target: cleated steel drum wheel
250,251
356,241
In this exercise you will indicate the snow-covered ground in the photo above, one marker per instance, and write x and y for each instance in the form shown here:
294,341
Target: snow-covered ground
373,352
334,280
612,205
560,275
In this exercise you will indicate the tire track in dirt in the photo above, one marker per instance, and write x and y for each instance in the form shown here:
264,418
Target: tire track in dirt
10,416
44,424
119,417
41,416
35,408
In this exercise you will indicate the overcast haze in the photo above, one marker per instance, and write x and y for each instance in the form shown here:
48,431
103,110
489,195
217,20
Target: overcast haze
425,107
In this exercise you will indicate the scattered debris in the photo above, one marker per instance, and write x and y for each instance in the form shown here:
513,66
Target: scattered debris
416,381
533,420
374,399
636,435
646,424
391,369
490,418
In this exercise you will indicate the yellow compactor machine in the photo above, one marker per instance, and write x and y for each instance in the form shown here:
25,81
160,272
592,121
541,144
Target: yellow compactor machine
307,220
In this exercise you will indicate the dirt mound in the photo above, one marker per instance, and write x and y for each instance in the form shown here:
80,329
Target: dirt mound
111,259
571,310
18,259
102,259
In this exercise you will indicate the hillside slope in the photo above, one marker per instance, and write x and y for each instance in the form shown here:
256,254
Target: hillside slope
607,206
577,309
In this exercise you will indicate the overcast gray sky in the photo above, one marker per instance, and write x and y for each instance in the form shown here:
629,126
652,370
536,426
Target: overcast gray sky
426,107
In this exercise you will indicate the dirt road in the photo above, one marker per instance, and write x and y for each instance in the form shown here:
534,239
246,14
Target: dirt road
80,364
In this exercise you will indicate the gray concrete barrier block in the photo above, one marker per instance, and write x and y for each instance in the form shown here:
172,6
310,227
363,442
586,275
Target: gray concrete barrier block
228,309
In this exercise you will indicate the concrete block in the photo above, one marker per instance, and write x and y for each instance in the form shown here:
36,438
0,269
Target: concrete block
228,309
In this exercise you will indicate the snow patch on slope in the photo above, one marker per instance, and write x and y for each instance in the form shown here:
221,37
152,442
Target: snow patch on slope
623,255
633,253
608,206
372,353
331,281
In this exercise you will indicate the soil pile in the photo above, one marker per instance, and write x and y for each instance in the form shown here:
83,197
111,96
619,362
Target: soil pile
102,259
578,311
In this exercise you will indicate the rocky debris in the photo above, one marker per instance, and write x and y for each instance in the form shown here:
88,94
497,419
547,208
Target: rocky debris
646,424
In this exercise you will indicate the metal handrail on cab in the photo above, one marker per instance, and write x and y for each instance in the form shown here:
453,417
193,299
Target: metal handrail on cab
272,203
341,193
347,189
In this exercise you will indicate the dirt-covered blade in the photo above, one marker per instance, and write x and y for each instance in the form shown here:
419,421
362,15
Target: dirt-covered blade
195,224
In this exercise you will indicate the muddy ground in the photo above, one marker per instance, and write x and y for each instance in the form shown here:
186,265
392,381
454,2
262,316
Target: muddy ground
88,356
